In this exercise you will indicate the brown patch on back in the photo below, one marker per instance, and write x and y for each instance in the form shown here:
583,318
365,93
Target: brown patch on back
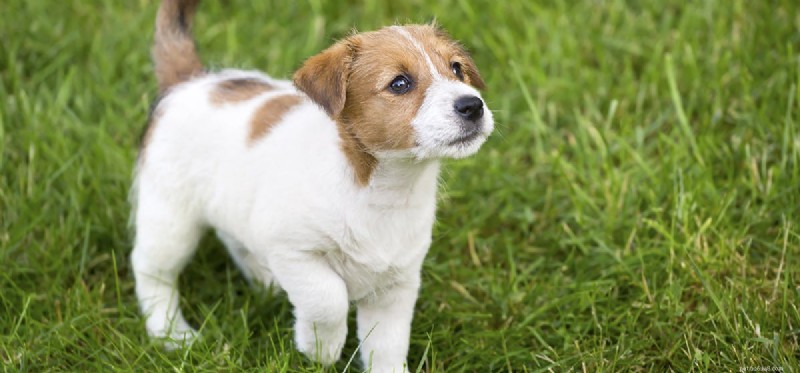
270,114
238,90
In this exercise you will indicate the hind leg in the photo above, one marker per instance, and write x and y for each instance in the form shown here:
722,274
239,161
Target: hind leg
166,238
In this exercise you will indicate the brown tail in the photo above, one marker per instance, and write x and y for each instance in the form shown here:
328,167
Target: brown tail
174,52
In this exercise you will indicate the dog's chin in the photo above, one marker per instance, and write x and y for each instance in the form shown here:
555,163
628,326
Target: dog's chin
463,148
455,149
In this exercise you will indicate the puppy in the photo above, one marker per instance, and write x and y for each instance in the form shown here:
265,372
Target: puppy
324,186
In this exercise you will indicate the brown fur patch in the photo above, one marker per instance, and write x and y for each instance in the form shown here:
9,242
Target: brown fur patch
379,118
350,81
174,52
358,156
238,90
323,77
270,114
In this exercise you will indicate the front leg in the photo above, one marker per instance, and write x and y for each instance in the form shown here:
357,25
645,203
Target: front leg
384,327
319,297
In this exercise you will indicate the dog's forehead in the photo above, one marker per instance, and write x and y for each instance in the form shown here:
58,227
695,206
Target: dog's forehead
428,37
421,45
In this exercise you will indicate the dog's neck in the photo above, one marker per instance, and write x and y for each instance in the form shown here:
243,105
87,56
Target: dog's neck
402,181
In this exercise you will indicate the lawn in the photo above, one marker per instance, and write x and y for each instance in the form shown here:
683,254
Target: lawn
637,208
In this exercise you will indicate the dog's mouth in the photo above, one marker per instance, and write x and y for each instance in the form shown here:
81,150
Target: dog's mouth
466,138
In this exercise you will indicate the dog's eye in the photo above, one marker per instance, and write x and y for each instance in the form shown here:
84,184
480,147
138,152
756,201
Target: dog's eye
400,85
456,67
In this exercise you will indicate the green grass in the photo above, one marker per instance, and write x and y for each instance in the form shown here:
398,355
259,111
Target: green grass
637,209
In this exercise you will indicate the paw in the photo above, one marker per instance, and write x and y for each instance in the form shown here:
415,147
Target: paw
180,339
320,343
175,336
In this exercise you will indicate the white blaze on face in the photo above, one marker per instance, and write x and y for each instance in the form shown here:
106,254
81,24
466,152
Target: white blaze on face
434,73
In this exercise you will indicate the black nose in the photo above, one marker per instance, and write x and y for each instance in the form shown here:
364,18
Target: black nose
469,107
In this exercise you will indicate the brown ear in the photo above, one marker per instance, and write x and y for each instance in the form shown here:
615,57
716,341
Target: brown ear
324,77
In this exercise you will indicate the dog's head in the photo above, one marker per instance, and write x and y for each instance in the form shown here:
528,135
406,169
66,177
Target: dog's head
402,90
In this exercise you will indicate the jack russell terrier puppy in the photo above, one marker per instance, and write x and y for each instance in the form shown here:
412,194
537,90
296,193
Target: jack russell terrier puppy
324,186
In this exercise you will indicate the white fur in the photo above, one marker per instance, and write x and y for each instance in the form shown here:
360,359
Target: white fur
438,128
290,213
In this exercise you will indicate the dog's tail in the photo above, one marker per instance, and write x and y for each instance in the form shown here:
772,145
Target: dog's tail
174,51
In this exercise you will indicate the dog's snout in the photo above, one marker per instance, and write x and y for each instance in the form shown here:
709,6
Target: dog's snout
469,107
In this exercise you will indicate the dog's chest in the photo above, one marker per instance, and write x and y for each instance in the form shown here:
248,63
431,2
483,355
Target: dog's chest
364,280
381,246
